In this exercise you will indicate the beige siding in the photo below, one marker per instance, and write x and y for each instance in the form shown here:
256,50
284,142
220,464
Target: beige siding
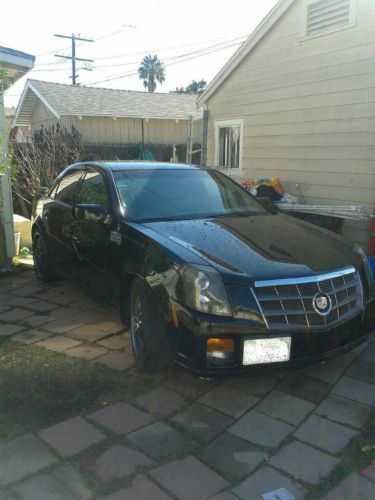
105,130
309,111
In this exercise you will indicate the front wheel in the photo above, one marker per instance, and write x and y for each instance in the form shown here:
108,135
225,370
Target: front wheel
151,348
42,260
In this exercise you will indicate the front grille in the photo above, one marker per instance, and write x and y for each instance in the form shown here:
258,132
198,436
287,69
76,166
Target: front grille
289,303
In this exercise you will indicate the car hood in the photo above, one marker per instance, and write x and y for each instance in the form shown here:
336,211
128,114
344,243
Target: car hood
264,246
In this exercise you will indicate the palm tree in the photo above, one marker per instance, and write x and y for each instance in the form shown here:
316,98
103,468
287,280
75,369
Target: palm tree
151,70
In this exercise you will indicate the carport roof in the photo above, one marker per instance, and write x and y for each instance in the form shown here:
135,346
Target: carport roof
70,100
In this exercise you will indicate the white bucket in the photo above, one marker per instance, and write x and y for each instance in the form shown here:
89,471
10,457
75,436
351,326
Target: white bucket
17,240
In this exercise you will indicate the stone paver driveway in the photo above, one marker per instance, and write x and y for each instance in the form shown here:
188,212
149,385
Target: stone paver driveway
187,438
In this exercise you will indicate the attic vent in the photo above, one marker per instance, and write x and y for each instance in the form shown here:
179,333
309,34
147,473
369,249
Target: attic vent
327,15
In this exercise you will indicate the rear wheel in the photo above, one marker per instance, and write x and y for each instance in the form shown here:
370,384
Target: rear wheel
151,348
42,260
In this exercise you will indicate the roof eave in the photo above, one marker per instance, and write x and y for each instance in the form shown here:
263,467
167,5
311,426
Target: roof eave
18,63
260,31
29,86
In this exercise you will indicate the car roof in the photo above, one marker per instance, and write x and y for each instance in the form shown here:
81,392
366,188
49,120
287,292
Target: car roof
139,165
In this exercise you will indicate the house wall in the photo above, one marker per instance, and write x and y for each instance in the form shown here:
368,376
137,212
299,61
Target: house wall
98,130
308,107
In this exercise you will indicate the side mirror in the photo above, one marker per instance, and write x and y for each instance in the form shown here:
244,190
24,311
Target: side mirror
92,211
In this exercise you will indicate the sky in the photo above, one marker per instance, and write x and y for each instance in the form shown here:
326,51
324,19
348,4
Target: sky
194,38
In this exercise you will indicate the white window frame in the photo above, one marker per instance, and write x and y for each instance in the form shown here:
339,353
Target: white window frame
352,20
228,123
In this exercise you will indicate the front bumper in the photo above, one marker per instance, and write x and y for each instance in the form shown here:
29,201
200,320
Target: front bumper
307,346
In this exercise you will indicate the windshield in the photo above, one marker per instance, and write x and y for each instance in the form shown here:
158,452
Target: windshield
182,194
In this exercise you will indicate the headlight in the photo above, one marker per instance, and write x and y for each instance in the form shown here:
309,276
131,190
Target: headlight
359,251
202,289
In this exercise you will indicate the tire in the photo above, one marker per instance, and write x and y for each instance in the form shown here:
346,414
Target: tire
43,264
151,348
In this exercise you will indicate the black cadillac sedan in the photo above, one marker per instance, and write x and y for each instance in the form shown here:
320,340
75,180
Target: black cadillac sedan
202,272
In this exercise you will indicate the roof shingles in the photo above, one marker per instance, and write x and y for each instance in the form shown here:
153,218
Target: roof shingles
90,101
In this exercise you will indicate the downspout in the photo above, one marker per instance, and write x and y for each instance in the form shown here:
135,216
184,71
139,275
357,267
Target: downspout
204,138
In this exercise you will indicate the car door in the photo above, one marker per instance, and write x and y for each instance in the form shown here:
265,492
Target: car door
58,213
90,231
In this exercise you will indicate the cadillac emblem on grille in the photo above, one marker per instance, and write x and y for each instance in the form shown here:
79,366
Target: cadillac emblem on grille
322,304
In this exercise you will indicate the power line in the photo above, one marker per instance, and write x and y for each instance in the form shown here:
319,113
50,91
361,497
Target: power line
106,35
134,63
159,50
73,56
119,76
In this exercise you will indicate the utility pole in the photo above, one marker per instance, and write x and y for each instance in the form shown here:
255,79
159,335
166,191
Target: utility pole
73,57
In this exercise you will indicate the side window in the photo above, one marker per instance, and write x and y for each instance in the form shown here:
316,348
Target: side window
67,187
228,145
93,190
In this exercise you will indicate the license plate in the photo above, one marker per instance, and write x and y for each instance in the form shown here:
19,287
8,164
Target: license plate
256,351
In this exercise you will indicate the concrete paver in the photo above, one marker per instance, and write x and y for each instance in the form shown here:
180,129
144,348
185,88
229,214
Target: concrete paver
42,306
304,387
356,390
116,360
325,434
285,407
368,355
116,342
330,401
265,480
121,418
229,400
354,486
141,488
71,436
86,351
304,463
118,462
6,330
344,411
258,385
233,457
202,421
22,457
324,371
30,336
160,441
188,386
91,333
362,371
62,325
37,320
43,486
58,343
369,472
261,429
72,479
189,478
161,401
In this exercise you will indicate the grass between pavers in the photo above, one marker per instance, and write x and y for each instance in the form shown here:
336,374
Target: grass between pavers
39,387
353,460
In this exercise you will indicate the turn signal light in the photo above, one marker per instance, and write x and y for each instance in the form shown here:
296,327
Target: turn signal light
220,345
220,352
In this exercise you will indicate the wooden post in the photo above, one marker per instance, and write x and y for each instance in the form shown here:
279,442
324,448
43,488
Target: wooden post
189,143
7,249
204,138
